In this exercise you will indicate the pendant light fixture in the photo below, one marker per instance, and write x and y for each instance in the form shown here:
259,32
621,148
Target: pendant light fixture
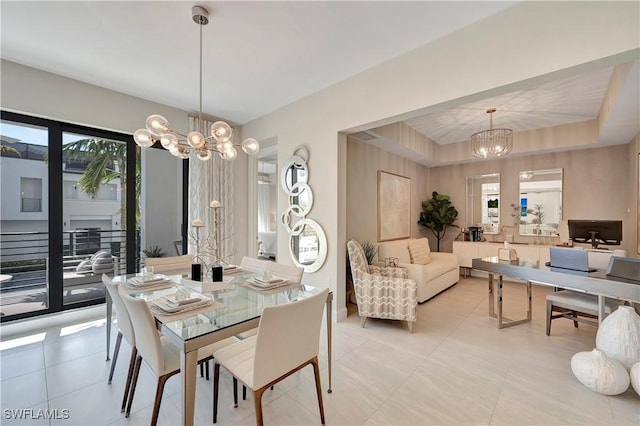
219,142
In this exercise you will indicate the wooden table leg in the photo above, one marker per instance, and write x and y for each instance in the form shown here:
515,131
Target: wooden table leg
109,307
188,367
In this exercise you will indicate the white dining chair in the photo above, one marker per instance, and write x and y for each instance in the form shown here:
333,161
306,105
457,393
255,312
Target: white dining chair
160,355
288,340
289,272
125,329
251,264
170,263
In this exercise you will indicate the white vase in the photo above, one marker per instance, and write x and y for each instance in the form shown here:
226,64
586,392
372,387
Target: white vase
600,373
619,336
635,377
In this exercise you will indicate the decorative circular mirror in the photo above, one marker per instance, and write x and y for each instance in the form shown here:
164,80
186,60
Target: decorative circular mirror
307,241
300,199
293,171
308,245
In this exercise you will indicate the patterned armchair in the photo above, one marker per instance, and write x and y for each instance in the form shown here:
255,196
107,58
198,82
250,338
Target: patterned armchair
382,292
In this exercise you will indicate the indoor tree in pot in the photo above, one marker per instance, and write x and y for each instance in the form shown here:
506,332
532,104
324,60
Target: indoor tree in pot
438,214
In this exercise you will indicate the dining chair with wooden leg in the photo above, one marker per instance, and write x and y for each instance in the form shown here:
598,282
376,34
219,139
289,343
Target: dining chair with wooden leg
125,329
160,355
291,273
288,340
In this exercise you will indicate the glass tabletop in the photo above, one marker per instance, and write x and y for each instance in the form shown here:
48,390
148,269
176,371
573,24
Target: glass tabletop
537,265
235,301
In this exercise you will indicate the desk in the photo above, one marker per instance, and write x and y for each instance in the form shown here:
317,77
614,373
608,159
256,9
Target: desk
592,283
240,311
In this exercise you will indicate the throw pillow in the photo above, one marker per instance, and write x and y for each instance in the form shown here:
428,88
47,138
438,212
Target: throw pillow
84,267
419,252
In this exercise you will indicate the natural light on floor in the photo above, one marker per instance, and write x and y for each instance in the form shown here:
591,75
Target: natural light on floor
65,331
22,341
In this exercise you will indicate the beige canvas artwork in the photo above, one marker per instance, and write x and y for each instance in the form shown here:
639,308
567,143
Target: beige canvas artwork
394,206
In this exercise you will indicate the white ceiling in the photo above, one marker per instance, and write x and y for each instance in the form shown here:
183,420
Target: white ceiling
260,56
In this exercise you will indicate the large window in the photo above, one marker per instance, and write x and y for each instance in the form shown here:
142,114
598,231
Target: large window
68,214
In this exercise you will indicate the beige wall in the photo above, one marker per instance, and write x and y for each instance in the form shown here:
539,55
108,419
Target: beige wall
632,229
609,192
363,163
596,186
35,92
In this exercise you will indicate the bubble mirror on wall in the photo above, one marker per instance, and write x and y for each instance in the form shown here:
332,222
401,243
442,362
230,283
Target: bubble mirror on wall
295,169
308,245
307,240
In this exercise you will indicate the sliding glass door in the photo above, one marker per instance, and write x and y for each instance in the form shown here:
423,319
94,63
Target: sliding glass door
24,224
94,187
68,214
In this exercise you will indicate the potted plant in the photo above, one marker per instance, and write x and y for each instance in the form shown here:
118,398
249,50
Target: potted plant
154,251
438,214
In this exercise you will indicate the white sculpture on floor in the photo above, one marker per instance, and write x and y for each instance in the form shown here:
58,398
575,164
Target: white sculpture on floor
619,336
635,377
600,373
606,369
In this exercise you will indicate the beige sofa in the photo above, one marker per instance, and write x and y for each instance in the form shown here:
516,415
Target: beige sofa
439,274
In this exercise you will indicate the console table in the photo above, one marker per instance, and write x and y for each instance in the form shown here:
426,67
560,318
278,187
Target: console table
592,283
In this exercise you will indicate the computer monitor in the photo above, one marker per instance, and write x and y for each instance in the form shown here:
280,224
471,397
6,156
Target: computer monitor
607,232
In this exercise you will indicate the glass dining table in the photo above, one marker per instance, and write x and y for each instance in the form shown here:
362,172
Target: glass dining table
234,307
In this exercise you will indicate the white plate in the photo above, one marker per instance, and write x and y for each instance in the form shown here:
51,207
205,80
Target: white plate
154,280
263,285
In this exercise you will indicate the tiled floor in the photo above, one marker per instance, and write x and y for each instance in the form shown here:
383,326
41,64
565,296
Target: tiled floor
456,368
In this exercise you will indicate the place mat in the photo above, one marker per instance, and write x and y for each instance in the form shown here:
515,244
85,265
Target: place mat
259,284
138,282
193,310
168,304
232,269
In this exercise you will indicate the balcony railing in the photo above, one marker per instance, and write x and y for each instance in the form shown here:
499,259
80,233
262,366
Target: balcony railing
24,255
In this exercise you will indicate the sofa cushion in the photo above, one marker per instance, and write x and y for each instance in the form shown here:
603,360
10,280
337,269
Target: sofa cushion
419,251
396,249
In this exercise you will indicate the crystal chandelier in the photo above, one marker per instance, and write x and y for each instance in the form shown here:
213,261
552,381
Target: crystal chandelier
491,142
157,127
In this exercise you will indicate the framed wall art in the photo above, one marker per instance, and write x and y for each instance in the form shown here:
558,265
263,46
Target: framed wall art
394,206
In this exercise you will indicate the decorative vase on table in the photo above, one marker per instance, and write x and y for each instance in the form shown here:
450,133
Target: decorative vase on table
619,336
196,272
216,272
